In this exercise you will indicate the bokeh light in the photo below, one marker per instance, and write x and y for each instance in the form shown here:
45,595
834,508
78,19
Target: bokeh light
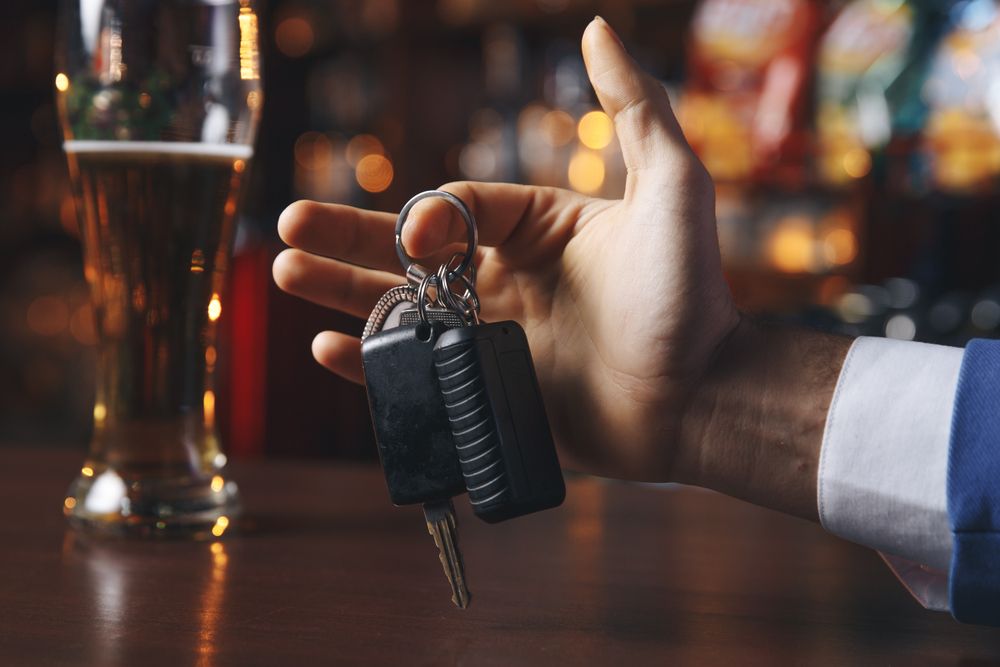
208,402
313,150
596,130
901,327
857,162
840,246
81,325
62,82
48,316
374,173
220,526
477,162
294,37
792,246
557,128
586,172
361,147
214,308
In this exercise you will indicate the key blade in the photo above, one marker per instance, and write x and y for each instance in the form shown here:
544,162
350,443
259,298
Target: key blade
442,524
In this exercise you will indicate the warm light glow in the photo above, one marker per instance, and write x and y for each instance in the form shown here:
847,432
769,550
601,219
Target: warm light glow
220,526
596,129
313,150
253,100
87,471
966,63
374,173
840,246
210,355
100,412
197,261
477,161
230,207
216,548
361,147
209,404
857,162
294,37
48,316
217,483
81,325
70,503
792,246
586,172
145,100
62,82
239,166
557,128
249,55
214,308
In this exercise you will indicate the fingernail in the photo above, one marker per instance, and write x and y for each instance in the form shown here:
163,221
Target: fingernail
608,27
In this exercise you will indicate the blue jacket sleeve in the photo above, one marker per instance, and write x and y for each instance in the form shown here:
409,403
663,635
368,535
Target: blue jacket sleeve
974,486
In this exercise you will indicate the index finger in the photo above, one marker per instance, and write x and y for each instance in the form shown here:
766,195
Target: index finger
516,215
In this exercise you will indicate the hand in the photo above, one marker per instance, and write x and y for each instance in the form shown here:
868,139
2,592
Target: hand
623,302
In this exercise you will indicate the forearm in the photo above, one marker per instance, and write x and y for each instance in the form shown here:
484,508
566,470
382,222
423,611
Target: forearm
754,427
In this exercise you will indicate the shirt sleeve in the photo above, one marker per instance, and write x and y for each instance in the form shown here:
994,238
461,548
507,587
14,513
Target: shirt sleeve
882,478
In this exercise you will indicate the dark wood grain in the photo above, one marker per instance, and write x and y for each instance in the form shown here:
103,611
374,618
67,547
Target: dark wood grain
327,571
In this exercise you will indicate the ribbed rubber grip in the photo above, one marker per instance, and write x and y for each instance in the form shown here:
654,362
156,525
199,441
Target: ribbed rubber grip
473,424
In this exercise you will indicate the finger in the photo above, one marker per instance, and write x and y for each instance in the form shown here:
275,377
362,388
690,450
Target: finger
635,101
331,283
366,238
503,212
341,354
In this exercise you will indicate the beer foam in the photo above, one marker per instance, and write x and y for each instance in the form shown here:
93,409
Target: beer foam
236,151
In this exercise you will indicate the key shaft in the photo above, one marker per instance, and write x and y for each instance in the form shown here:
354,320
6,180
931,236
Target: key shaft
442,524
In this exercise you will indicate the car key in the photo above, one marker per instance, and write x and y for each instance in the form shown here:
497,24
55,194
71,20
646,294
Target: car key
498,421
412,433
411,424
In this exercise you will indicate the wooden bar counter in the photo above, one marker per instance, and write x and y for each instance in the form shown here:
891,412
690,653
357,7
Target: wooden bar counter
325,571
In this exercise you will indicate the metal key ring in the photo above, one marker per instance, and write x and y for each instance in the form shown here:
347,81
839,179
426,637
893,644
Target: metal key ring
470,227
467,305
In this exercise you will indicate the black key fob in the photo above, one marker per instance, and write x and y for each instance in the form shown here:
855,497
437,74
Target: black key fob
498,421
411,424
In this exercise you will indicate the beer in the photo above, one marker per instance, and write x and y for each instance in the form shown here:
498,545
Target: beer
156,222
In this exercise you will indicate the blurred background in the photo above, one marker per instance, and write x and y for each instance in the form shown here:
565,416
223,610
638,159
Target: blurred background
855,147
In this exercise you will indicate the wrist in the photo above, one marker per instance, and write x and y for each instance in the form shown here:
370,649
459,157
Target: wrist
754,426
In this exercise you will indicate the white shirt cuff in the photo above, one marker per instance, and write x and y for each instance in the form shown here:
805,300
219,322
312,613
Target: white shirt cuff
883,466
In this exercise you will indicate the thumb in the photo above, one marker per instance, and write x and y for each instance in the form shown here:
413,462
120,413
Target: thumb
637,103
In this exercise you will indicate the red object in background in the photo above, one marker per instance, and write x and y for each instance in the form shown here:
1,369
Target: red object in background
251,275
274,400
745,102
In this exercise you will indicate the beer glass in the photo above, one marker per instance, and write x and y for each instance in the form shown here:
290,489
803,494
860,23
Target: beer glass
159,102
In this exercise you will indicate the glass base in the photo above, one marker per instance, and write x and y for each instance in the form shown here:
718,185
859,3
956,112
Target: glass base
134,503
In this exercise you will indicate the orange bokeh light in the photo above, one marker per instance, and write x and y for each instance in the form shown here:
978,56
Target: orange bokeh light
374,173
294,37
